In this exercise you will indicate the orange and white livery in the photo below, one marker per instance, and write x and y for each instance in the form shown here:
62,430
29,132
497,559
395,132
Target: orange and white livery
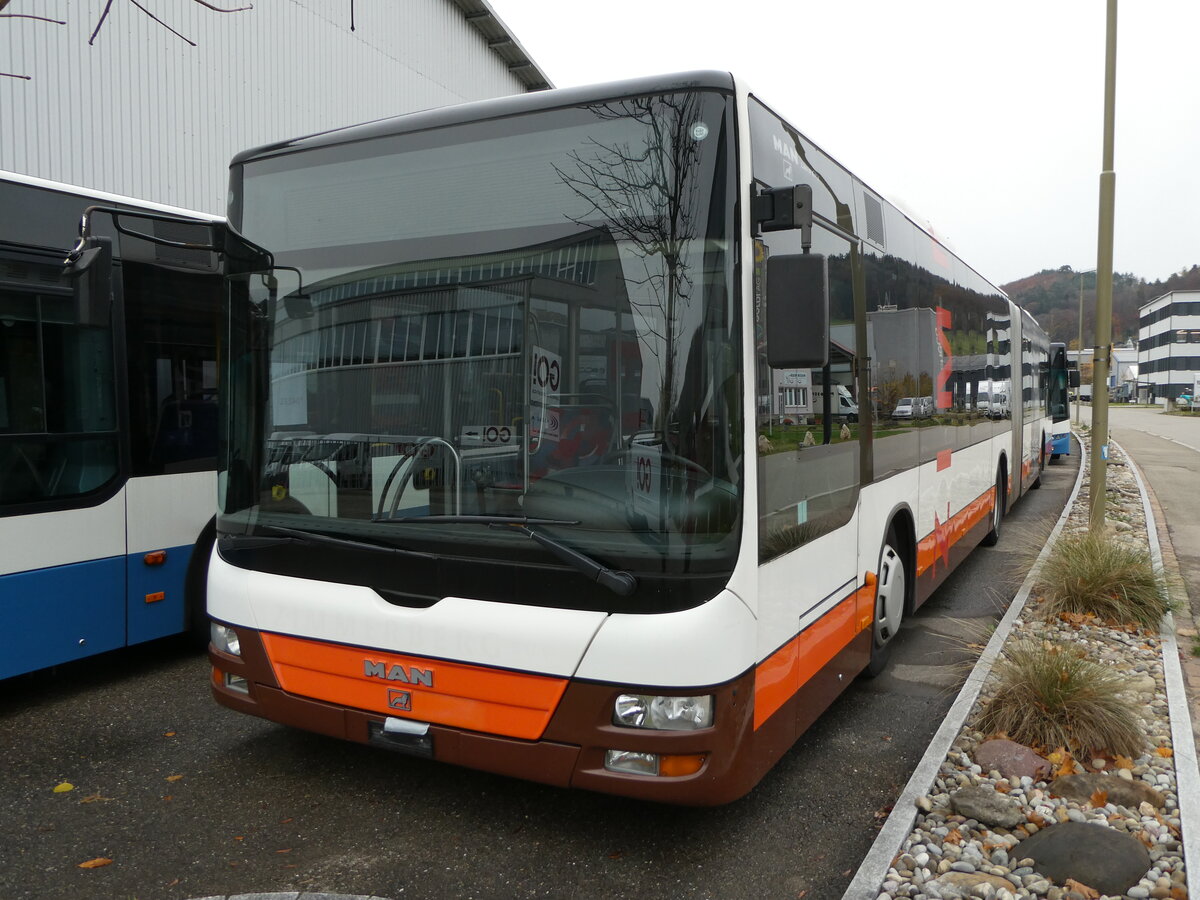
563,436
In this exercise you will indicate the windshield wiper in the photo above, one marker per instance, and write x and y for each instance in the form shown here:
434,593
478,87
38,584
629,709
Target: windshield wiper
283,534
619,582
474,520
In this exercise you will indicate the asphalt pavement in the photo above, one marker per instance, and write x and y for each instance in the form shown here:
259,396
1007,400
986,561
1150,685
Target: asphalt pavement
188,799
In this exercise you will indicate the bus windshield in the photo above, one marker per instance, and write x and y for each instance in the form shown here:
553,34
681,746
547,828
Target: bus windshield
527,320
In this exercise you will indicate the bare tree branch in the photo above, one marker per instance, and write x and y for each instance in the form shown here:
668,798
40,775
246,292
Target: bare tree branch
27,16
204,3
218,9
103,16
162,23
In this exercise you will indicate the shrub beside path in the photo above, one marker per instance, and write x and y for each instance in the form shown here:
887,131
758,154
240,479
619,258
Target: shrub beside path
988,818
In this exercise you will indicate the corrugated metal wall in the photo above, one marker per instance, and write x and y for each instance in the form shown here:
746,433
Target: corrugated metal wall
142,113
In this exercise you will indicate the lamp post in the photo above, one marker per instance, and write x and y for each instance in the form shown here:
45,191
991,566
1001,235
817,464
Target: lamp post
1104,280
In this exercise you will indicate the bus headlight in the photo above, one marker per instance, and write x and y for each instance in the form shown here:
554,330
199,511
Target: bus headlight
225,639
663,713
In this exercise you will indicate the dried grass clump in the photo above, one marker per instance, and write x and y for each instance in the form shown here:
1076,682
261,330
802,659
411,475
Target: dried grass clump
1051,695
1089,574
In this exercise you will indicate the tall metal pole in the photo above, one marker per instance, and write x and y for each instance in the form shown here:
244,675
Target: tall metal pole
1104,279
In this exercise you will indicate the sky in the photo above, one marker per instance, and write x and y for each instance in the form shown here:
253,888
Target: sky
983,119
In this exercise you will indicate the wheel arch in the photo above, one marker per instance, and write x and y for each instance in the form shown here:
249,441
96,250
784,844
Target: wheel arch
195,585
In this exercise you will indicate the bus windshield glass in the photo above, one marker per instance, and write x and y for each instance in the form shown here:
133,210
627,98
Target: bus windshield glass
527,320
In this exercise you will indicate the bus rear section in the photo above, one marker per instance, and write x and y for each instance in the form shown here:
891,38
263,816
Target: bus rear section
108,426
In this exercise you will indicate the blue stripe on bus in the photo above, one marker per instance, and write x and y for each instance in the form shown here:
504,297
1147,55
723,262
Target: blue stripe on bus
52,616
157,618
65,613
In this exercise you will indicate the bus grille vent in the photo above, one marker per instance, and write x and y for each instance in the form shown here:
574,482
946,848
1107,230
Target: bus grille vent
874,219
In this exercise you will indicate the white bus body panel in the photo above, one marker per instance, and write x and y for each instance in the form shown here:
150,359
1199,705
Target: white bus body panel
796,589
479,632
169,510
63,537
708,644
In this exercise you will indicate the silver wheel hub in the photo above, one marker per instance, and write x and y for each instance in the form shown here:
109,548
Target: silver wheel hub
889,596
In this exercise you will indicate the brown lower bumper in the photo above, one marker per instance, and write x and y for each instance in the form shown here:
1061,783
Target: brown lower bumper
571,751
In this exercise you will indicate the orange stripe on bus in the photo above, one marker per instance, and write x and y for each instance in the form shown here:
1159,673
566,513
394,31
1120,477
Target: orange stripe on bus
512,704
936,545
785,671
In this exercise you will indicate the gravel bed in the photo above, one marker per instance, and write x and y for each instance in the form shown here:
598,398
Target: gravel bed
948,855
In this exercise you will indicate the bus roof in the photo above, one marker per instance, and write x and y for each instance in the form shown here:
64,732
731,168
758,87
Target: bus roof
105,196
495,108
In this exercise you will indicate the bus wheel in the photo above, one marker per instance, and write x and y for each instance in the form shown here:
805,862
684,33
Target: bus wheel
890,593
990,539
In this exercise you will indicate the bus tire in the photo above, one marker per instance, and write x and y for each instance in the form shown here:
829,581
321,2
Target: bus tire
891,599
993,536
196,587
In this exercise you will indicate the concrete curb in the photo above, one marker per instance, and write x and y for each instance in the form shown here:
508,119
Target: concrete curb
290,895
871,872
1187,774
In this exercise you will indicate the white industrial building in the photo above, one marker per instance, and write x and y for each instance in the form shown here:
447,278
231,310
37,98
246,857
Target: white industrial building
140,111
1169,345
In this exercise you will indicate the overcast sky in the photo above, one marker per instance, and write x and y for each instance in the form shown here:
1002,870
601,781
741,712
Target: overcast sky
983,118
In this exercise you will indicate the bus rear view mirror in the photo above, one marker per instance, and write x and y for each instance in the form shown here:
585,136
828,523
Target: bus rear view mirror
797,311
89,269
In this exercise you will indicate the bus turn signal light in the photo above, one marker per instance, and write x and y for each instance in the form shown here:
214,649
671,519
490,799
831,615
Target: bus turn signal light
156,596
157,558
688,764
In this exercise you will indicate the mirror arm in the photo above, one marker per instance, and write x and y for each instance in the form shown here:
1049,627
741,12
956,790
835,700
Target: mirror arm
784,209
833,228
85,230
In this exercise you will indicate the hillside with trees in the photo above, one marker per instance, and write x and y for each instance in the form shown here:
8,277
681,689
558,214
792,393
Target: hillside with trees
1052,296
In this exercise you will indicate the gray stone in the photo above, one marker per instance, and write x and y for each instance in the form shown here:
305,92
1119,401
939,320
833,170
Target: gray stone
1011,759
966,881
1130,794
1104,859
987,806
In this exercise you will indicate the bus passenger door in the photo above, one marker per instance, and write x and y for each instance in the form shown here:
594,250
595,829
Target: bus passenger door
172,304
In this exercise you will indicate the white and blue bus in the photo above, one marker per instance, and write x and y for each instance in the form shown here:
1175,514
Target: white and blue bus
108,426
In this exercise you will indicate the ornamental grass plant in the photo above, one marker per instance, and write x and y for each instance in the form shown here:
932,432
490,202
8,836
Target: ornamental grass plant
1093,574
1052,695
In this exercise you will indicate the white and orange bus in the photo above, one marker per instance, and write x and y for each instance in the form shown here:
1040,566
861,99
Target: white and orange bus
507,479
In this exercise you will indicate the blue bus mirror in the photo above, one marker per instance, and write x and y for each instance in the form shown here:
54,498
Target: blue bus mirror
89,269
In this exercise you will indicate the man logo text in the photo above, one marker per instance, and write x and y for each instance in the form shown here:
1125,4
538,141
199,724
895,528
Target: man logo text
397,672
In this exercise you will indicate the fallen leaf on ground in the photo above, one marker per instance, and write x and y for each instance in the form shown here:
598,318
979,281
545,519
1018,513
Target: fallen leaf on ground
1165,751
1099,798
1122,762
168,734
92,798
64,787
174,777
1088,893
96,863
285,850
